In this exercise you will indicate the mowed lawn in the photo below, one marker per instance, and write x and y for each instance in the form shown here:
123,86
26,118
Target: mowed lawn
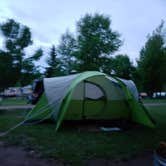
13,101
76,146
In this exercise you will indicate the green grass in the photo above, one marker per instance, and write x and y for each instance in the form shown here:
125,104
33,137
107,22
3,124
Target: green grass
158,113
75,147
13,101
154,100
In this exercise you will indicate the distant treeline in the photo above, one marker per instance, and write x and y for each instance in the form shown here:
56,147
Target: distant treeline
91,48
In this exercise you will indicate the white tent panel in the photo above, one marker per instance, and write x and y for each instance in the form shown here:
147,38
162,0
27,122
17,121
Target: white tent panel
131,87
92,91
56,89
87,90
112,89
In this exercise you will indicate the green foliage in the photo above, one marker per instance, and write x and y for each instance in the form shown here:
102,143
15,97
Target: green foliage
152,62
37,55
10,29
96,41
54,67
6,70
123,67
29,72
67,50
92,46
106,65
17,38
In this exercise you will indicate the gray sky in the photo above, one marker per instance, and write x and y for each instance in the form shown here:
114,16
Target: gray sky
49,19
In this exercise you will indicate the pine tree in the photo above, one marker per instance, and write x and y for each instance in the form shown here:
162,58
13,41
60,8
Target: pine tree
54,65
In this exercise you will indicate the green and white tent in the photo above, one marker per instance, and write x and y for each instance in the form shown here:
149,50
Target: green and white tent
89,95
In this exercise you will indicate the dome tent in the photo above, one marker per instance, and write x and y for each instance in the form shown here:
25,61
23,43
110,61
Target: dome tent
90,95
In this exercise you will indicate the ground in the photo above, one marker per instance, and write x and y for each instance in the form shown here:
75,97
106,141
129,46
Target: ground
17,156
40,145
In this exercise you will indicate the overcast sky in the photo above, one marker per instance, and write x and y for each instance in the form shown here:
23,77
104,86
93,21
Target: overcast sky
49,19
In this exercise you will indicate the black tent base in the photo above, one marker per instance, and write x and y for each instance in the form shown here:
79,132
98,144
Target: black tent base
123,124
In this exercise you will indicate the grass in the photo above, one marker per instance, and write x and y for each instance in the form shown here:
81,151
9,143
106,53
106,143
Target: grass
75,147
13,101
154,100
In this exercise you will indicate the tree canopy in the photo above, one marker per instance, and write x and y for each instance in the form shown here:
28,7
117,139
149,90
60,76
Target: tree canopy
54,66
6,70
123,67
17,37
152,62
90,48
96,41
67,50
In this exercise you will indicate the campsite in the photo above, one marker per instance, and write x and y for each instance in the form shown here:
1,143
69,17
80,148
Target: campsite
72,146
81,143
82,83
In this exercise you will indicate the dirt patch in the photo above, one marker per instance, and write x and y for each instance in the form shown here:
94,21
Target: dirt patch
17,156
143,160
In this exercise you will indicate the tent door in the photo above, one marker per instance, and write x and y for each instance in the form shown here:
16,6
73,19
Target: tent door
94,101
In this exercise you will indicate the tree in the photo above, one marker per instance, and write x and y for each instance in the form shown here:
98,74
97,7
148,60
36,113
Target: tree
152,62
6,70
67,50
123,67
37,55
29,70
96,41
54,68
106,65
17,38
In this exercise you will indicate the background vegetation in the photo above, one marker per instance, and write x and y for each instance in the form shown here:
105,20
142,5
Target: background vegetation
92,47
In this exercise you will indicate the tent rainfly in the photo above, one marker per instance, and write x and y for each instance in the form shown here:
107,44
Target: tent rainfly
89,95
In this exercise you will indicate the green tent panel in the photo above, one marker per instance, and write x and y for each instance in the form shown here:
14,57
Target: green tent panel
138,113
41,111
90,95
